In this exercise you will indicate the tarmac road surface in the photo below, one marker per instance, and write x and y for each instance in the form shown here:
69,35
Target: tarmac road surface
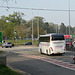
33,66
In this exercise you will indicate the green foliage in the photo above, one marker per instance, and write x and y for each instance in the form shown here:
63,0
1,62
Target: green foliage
21,42
63,28
8,24
6,71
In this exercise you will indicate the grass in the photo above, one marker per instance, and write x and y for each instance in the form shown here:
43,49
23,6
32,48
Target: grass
20,42
6,71
1,52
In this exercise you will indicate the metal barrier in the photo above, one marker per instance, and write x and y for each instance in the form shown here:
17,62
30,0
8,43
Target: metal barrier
70,49
3,59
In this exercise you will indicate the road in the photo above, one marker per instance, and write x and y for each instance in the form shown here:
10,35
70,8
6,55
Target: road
28,59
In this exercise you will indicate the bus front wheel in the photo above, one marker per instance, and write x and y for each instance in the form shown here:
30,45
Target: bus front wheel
47,52
41,51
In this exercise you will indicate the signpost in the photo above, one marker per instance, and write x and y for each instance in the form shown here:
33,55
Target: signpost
0,37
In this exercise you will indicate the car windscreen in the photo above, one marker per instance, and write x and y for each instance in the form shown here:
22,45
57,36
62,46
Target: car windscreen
57,37
9,42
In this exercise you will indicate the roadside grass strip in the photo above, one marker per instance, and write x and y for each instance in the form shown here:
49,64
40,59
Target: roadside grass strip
4,70
53,61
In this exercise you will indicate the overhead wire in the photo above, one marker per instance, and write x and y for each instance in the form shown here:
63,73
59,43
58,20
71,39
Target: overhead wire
35,9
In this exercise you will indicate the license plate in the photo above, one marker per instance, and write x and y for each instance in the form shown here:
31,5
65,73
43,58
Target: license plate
58,46
58,53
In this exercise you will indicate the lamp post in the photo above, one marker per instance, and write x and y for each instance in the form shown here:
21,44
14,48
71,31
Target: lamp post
66,30
32,27
58,29
38,27
69,22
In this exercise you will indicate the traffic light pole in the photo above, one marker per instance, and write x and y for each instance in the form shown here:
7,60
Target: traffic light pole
16,41
16,36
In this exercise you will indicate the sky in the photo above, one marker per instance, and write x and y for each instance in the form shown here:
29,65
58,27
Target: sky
57,17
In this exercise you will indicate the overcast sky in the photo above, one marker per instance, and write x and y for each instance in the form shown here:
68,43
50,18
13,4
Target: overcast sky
50,16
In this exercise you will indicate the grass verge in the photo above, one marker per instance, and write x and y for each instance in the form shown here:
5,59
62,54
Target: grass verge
4,70
21,42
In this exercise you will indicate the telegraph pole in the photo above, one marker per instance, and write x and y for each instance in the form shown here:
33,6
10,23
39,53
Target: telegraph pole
32,27
38,25
69,24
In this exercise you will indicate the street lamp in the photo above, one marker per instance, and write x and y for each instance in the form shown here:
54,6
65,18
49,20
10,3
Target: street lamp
66,30
69,22
32,27
38,26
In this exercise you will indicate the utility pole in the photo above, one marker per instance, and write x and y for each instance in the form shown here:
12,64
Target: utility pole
32,27
38,26
69,24
66,30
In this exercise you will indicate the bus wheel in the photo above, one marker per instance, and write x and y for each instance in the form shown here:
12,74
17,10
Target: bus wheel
41,51
47,52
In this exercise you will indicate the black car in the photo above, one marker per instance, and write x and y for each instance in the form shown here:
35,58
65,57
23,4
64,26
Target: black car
28,43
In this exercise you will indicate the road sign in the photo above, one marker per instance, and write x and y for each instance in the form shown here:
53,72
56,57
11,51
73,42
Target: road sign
0,37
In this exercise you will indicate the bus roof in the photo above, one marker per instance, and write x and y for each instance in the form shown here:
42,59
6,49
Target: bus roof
50,34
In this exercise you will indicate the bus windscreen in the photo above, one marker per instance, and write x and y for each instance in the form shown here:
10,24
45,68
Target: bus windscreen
57,37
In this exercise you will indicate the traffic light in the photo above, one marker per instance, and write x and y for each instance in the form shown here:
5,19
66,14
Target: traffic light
15,36
15,32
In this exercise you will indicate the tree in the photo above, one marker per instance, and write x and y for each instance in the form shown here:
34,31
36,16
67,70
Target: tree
2,24
37,20
9,0
73,30
46,27
8,32
15,18
62,28
52,28
7,23
41,32
22,31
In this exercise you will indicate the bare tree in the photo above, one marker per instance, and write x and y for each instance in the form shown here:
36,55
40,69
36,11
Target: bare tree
9,0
